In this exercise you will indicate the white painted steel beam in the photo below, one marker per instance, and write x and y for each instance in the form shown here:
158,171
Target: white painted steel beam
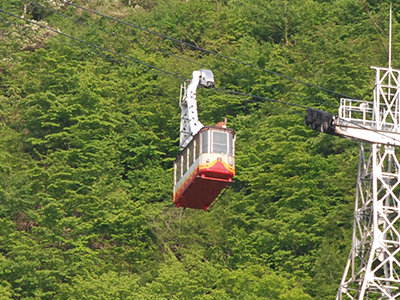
365,133
373,266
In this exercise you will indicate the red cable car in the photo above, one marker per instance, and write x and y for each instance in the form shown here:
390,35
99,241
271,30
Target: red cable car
206,163
204,168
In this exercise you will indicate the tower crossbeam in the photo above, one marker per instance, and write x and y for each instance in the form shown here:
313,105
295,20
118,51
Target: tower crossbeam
373,266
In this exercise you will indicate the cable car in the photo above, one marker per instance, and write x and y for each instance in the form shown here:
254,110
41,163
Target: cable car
204,168
206,163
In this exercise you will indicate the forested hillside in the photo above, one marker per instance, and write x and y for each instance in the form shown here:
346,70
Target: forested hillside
89,130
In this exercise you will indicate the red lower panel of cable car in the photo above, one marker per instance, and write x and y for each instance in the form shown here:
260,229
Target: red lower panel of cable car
203,186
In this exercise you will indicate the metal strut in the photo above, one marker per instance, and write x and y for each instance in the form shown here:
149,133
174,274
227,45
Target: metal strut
190,123
373,266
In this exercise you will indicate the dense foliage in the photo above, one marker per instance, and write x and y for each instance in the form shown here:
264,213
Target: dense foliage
87,141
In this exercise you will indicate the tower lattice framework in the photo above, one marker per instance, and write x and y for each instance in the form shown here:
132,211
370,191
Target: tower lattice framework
373,267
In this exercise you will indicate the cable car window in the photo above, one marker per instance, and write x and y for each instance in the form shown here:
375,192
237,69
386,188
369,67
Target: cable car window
178,170
205,142
184,161
232,144
197,148
220,142
191,154
174,173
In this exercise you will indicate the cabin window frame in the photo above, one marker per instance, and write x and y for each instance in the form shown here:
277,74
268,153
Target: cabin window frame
197,148
226,144
184,161
232,141
175,175
205,133
191,154
178,169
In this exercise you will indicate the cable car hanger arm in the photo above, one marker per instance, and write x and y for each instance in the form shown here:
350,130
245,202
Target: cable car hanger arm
190,123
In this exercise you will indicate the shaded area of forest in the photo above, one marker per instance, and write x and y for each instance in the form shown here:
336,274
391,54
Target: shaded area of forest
87,141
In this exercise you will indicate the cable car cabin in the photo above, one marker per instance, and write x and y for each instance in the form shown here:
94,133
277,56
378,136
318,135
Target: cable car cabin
204,168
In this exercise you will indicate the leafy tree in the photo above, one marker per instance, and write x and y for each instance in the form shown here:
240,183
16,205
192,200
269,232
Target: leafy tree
88,138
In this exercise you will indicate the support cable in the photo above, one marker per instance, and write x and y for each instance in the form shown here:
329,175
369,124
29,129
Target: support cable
260,97
94,45
73,45
204,50
150,66
176,75
112,33
176,56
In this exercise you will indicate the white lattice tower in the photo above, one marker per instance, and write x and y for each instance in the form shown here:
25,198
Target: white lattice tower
373,266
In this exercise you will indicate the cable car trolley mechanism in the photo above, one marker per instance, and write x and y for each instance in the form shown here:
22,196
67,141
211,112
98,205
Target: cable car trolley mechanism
206,163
